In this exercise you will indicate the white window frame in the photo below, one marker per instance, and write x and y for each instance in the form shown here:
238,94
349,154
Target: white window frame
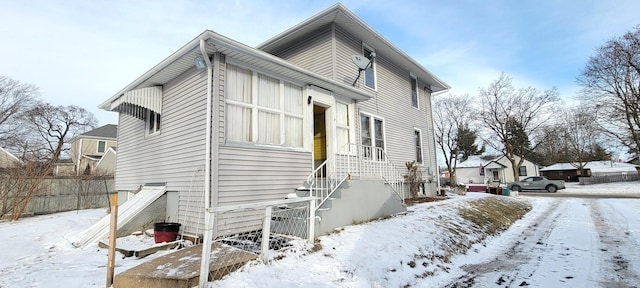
350,127
255,109
373,67
152,128
372,125
414,79
421,162
104,147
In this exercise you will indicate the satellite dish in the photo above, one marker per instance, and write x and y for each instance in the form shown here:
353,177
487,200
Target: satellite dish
363,63
360,61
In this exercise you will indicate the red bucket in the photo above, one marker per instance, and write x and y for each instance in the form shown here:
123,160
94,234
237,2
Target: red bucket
165,232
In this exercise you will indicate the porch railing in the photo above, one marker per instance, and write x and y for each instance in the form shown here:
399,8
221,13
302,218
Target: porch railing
354,161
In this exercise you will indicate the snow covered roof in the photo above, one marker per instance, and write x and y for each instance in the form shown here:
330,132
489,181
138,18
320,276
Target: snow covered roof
594,166
474,161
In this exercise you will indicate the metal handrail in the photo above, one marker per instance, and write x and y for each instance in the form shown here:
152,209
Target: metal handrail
353,160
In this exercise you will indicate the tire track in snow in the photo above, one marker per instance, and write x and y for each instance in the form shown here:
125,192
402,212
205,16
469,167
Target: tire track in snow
524,251
616,246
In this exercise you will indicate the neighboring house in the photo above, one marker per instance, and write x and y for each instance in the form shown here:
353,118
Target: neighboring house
8,160
634,160
569,171
476,170
64,167
294,104
87,150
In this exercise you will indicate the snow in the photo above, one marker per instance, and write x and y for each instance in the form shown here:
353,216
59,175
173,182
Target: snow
594,166
561,242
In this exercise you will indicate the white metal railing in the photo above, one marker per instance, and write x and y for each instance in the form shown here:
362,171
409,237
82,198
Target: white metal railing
288,210
353,161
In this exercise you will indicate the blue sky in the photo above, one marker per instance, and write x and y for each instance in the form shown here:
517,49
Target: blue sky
83,52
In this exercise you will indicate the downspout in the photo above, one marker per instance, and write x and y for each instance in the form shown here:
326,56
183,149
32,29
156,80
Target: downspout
208,217
207,164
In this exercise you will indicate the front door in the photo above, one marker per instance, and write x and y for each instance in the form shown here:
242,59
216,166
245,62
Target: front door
319,135
323,126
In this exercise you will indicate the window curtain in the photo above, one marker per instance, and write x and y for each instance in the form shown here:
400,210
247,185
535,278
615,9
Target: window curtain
268,92
342,125
293,120
238,88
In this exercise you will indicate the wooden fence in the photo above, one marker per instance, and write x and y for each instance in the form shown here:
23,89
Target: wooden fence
57,194
595,179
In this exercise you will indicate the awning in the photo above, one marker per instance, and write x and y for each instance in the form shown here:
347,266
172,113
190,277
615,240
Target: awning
137,102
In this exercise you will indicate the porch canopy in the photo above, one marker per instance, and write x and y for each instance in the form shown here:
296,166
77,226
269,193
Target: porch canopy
136,102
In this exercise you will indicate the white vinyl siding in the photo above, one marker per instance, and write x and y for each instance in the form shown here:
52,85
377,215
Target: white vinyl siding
177,155
313,53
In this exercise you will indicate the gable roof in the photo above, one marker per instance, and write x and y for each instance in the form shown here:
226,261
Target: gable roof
106,131
183,60
594,166
474,161
342,16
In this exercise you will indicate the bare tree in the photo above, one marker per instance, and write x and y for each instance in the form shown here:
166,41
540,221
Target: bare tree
514,116
452,113
611,83
15,99
581,134
55,126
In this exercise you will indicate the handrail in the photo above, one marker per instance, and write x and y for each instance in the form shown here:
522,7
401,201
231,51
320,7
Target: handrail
353,160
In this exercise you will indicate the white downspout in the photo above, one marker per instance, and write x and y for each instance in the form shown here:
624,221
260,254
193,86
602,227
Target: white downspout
208,220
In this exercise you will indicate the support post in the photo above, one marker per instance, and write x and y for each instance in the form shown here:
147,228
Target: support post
266,231
312,220
209,219
113,227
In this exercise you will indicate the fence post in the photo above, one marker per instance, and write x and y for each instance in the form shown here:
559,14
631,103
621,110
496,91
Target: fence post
266,230
312,220
209,219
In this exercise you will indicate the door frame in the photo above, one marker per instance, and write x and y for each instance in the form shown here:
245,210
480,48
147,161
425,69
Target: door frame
324,98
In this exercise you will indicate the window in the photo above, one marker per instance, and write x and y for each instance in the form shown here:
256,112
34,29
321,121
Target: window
342,125
418,143
414,92
152,122
101,146
523,170
369,73
372,133
272,113
481,170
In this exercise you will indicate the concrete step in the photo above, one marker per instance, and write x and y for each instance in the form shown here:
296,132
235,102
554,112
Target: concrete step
182,268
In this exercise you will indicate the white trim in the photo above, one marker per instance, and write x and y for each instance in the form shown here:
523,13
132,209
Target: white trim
421,163
98,146
255,109
147,123
414,79
10,155
372,130
373,68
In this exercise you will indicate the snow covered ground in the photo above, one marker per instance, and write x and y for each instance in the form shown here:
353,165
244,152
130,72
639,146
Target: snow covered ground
561,242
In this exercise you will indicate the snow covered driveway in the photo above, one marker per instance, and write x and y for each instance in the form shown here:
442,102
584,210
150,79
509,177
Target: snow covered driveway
572,243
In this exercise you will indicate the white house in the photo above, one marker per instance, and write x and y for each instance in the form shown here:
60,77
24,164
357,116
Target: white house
264,121
495,171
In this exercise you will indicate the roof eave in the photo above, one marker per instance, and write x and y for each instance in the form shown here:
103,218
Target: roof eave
438,85
220,43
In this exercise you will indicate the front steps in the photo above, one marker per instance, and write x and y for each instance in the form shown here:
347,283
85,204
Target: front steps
355,201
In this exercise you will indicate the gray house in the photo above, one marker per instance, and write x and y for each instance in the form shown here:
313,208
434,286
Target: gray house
241,124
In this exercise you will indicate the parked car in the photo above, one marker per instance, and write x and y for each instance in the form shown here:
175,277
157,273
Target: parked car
537,183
